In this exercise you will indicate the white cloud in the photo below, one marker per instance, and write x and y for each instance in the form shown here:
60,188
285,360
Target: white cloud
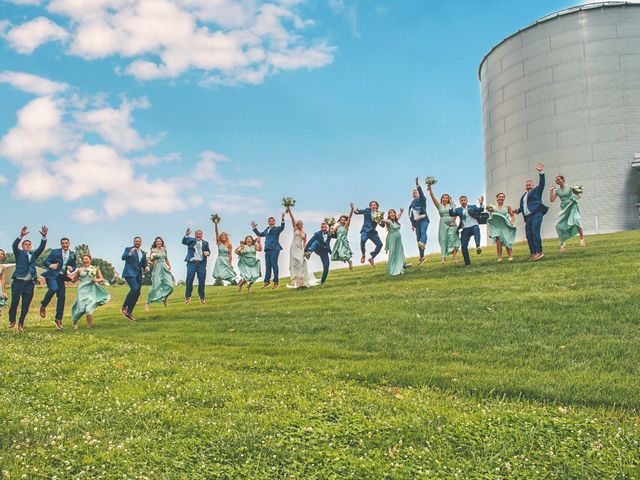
85,215
3,180
233,203
30,35
349,10
32,83
227,41
153,160
207,167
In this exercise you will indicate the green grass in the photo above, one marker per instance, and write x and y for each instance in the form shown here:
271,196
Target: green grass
494,371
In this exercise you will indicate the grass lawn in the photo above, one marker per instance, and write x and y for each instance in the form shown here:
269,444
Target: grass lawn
495,371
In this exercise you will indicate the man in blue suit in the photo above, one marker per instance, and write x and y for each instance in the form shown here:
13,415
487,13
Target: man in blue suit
533,210
59,263
197,253
135,263
25,276
272,249
368,231
470,218
320,243
419,219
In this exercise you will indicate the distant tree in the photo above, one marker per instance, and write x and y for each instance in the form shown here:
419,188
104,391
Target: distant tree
180,283
108,270
10,258
42,258
81,250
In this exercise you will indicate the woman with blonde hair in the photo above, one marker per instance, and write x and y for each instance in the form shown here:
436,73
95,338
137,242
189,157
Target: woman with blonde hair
447,229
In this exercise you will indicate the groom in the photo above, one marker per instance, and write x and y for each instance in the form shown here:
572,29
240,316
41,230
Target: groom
24,277
320,243
368,231
272,249
135,263
533,210
197,253
59,263
470,219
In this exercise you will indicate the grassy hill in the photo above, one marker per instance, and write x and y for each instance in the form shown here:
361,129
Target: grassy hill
495,371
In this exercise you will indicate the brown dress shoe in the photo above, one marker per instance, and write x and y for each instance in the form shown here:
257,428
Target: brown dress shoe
58,324
43,312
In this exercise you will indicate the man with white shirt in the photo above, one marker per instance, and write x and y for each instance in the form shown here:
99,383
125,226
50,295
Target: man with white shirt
135,263
59,263
320,243
469,225
197,253
533,210
24,277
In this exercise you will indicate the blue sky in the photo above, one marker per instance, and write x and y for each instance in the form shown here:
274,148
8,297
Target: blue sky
142,117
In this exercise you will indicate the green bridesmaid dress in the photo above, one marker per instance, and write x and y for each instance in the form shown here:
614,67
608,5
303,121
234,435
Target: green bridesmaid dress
341,249
222,270
500,228
161,278
393,247
89,296
569,217
447,232
249,264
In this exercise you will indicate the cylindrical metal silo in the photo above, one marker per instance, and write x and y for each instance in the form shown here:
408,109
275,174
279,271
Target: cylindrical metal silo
565,91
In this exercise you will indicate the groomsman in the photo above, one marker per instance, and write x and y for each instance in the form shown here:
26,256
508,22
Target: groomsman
419,218
533,210
59,263
368,231
135,263
24,277
197,253
470,216
320,243
272,249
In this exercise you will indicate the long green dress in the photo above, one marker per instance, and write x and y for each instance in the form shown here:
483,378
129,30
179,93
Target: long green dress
249,264
341,249
569,217
161,279
89,296
222,270
500,228
3,299
447,232
393,247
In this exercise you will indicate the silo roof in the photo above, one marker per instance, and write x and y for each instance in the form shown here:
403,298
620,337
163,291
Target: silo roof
552,16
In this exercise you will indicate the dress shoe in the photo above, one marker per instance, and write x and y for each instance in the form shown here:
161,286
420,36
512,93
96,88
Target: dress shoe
43,312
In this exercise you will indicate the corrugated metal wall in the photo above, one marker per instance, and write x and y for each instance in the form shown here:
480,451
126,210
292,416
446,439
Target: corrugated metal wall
566,92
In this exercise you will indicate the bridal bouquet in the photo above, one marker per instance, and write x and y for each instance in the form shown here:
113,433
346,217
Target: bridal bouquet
491,208
430,181
92,271
153,255
215,218
577,189
288,202
331,221
378,217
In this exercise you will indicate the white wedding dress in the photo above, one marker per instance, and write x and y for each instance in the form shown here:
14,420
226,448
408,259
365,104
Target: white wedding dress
298,265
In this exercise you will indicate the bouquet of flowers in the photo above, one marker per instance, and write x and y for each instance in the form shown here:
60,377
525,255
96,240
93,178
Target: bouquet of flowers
153,255
577,189
331,221
491,208
240,249
92,271
378,217
430,181
288,202
215,218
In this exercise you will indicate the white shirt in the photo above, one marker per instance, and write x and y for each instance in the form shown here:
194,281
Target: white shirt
468,220
324,236
139,255
198,251
65,259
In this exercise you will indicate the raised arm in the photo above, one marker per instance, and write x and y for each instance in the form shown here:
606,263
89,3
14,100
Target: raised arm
282,222
43,243
217,233
293,220
401,211
541,182
433,197
420,192
350,215
256,231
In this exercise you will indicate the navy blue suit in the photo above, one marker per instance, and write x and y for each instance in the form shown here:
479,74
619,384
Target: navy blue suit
468,232
56,279
23,289
369,232
533,220
418,207
194,267
322,248
272,249
132,273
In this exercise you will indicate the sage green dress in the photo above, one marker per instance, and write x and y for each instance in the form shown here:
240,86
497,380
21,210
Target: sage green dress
222,270
500,228
569,217
161,278
393,247
447,232
341,248
3,299
89,296
249,264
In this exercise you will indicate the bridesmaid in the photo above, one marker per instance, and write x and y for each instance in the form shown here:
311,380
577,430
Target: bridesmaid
341,248
298,265
500,227
222,270
161,279
3,280
393,245
569,223
89,294
248,262
447,230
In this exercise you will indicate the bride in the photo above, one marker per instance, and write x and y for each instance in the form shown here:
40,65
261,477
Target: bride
301,277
